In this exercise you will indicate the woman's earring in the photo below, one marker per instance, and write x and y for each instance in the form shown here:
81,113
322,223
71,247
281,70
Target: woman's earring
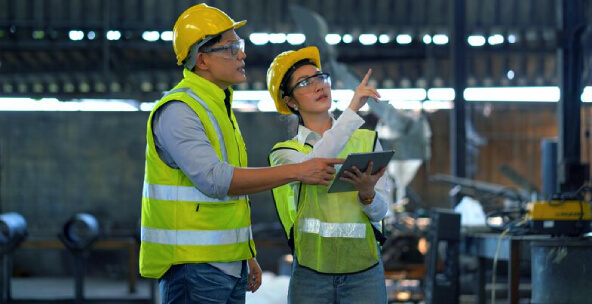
295,108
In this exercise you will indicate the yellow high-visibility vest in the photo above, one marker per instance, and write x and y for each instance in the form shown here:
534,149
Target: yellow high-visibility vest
331,232
180,224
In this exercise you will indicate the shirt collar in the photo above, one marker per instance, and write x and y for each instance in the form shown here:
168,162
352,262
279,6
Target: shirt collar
307,136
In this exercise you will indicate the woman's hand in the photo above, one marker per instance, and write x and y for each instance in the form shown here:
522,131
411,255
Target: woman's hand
364,182
254,278
363,92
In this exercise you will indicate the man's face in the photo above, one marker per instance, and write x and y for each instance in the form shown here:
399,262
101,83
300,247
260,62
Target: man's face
225,60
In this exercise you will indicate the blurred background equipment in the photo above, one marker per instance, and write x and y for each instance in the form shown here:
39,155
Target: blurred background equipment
560,271
443,286
562,214
13,230
79,234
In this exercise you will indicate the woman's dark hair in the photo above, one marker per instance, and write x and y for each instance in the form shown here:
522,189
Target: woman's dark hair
290,121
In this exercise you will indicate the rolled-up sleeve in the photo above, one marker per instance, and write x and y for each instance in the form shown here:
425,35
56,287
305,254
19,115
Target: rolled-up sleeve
182,143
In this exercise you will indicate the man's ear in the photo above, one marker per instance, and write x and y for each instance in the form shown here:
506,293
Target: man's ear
201,62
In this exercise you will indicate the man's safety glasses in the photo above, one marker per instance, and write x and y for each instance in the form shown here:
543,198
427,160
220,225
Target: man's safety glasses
229,51
307,84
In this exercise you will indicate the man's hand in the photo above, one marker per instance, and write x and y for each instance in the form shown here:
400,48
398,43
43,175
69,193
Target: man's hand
318,171
254,278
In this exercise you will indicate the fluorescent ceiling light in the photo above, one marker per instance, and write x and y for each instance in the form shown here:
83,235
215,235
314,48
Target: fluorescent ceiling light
368,39
296,38
347,38
402,94
277,38
52,104
587,94
535,94
259,38
476,40
76,35
113,35
166,36
441,94
384,38
404,39
253,100
332,39
440,39
495,39
512,38
151,36
341,99
428,105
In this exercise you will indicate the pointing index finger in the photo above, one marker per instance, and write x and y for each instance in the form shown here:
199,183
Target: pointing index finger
334,161
366,78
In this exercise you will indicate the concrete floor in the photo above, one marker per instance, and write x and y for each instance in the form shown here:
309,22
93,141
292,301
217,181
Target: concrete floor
274,290
62,290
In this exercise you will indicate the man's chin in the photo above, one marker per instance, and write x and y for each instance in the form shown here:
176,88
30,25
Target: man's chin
241,80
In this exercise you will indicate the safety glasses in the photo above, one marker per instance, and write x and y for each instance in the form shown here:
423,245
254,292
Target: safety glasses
307,84
228,51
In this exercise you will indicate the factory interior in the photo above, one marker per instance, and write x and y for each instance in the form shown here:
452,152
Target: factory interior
486,103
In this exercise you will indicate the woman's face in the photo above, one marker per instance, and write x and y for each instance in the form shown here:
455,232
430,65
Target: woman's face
312,90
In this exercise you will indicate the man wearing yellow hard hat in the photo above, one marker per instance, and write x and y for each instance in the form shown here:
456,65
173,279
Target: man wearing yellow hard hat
333,235
196,221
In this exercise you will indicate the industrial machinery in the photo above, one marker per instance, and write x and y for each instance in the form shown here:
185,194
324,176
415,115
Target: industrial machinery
560,215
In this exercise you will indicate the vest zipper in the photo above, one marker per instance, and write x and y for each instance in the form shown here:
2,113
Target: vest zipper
197,209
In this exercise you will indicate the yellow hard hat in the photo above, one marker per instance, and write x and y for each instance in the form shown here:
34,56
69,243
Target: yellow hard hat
197,23
280,66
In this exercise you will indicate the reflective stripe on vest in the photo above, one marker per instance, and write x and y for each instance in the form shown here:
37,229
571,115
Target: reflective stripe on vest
332,230
197,238
336,242
183,193
213,119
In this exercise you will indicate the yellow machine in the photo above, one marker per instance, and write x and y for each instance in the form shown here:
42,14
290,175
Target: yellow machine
559,217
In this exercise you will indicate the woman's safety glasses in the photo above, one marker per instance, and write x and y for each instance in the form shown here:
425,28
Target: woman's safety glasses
307,84
229,51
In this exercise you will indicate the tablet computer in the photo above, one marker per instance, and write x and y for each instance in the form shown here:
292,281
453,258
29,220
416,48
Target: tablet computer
360,160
